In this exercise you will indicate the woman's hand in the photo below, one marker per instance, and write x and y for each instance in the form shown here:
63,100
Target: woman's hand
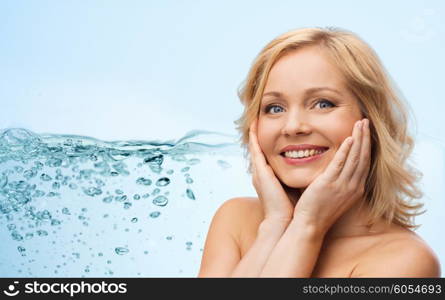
276,203
342,183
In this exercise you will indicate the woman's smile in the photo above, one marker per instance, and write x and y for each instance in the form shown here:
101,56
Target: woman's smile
303,160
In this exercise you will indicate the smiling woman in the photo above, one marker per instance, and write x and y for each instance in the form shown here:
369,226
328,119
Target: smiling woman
328,144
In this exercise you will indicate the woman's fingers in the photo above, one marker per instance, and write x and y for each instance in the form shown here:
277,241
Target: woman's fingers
354,157
255,150
365,157
335,167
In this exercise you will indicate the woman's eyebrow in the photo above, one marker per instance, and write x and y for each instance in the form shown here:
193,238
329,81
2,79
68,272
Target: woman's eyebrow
306,92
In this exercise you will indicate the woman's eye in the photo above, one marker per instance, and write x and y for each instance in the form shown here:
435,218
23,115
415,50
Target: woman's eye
268,108
273,108
323,101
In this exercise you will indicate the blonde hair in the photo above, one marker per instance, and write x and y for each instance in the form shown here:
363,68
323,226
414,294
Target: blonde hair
391,183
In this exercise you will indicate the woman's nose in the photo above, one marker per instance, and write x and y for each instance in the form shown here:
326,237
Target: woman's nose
296,126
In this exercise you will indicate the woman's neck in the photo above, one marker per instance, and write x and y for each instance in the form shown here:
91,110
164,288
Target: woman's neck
353,223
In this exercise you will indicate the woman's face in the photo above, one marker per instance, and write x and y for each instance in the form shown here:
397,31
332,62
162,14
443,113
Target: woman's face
292,112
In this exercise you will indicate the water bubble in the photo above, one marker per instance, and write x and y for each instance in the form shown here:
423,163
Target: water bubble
134,220
55,222
38,193
155,163
43,215
143,181
163,181
21,250
171,171
56,185
169,238
28,174
193,161
85,174
92,191
136,197
155,192
42,233
155,214
66,211
121,250
3,181
99,182
178,157
73,186
160,201
16,236
54,162
18,169
223,164
127,205
190,194
45,177
185,169
189,245
120,198
119,191
120,167
108,199
102,165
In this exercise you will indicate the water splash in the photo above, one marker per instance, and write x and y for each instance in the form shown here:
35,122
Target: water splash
83,196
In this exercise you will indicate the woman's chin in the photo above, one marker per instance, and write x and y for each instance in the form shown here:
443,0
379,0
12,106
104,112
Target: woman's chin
294,183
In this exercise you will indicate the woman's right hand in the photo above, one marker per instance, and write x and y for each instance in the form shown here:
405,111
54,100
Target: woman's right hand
276,203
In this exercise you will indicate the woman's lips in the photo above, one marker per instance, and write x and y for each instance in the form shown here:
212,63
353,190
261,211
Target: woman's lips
304,160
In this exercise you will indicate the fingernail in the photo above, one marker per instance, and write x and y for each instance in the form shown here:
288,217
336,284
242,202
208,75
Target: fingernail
359,124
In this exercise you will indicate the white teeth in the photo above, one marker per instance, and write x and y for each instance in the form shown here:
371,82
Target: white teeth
302,153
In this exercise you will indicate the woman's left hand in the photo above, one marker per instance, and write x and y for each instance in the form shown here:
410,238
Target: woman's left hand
341,184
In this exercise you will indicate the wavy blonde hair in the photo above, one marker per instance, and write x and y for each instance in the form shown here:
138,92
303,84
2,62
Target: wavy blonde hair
391,183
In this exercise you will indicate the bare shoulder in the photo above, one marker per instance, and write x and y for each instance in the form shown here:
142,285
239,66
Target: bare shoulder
400,253
247,211
222,249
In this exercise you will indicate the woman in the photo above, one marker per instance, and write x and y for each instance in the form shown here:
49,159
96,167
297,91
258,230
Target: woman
328,144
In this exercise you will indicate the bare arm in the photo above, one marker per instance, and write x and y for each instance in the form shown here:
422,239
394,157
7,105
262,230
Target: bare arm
222,250
269,233
296,253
